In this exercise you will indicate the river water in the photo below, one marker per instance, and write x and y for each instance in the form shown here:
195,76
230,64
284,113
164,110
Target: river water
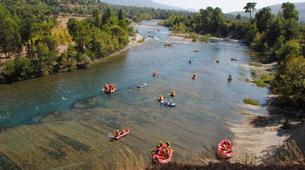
204,109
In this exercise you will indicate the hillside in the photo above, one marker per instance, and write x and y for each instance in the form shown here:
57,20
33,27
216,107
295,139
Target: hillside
276,8
140,3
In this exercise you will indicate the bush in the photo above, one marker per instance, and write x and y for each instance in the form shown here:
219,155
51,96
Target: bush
179,28
204,38
18,69
264,80
251,101
291,48
192,36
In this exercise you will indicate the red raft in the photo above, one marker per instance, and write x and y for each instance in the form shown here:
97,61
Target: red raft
120,134
162,154
163,159
225,149
109,88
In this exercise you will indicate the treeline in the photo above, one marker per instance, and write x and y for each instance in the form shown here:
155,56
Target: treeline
87,7
142,13
30,37
279,38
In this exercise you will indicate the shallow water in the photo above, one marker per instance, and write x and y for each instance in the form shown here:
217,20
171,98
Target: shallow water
204,106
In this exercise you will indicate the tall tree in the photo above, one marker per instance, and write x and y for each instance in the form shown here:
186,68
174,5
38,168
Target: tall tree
120,14
218,19
291,25
249,8
263,19
106,16
275,30
289,11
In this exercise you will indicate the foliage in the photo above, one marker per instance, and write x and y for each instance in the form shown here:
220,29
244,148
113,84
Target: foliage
32,25
61,36
291,48
289,11
264,80
263,18
290,81
10,40
204,38
207,21
251,101
18,69
179,28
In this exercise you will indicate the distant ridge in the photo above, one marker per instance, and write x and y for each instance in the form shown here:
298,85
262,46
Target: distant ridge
277,8
140,3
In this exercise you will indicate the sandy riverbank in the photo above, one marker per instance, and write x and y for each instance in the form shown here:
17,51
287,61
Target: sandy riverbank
260,139
187,36
252,142
260,68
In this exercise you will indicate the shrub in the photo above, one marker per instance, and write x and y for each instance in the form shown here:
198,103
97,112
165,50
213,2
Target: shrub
251,101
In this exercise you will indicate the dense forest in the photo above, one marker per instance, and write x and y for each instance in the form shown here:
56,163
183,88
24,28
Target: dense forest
33,44
276,38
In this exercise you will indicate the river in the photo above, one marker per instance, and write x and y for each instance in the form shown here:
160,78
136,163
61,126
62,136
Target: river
205,107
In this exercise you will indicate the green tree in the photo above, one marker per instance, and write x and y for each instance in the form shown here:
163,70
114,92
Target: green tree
120,15
97,18
290,81
249,8
67,61
106,16
275,31
291,29
9,70
72,27
18,69
263,19
218,19
251,33
289,11
10,39
23,68
43,54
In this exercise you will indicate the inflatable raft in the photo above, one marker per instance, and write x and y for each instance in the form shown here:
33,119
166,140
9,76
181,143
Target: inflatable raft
123,133
109,88
225,149
163,159
141,85
168,103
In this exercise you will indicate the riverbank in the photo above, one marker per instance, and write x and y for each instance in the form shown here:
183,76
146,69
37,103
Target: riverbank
262,139
204,38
